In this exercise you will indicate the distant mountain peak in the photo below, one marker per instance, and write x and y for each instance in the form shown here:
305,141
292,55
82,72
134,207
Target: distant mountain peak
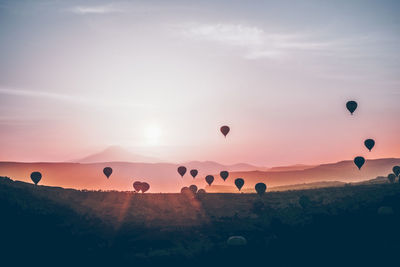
114,154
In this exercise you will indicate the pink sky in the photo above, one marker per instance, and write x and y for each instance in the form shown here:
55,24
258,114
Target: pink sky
76,79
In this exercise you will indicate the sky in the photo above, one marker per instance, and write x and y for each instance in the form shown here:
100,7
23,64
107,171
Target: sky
160,77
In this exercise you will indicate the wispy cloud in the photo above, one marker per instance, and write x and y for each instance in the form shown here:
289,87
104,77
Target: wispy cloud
76,99
256,42
102,9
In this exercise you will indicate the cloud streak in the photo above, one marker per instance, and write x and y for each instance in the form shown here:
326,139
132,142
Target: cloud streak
99,10
256,42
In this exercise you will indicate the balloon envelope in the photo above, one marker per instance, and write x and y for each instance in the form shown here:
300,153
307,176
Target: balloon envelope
145,187
137,186
209,179
225,130
391,177
193,173
36,177
260,188
182,170
239,182
369,143
224,175
193,188
201,191
396,170
107,171
351,106
359,161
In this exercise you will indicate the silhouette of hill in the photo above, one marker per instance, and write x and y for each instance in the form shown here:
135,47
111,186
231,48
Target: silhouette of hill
163,177
116,154
355,224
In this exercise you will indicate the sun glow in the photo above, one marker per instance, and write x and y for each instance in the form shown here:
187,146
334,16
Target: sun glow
152,134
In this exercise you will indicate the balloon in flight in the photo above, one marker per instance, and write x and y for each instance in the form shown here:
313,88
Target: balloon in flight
391,177
239,182
224,175
369,143
193,188
145,187
209,179
36,177
182,170
359,161
260,188
137,186
225,130
107,171
396,170
201,191
351,106
183,189
193,173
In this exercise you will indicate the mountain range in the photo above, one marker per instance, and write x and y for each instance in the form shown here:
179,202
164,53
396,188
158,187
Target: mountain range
163,177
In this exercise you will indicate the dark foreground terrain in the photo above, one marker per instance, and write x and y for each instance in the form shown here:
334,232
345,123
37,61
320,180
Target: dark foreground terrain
353,225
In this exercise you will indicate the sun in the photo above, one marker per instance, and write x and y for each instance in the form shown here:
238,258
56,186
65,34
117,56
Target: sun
152,134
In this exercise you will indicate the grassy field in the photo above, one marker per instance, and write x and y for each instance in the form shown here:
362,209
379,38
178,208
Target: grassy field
347,225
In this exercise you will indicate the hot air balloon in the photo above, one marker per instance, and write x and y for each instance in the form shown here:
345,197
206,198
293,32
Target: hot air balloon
183,189
187,192
224,175
193,188
396,170
107,171
369,143
145,187
260,188
182,170
209,179
351,106
391,177
239,182
359,161
36,177
193,173
201,191
137,186
225,130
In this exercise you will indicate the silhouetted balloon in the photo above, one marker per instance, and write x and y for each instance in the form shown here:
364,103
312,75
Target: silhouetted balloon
184,188
187,192
36,177
107,171
351,106
225,130
209,179
137,186
369,143
193,173
391,177
359,161
145,187
193,188
239,182
396,170
260,188
182,170
201,191
224,175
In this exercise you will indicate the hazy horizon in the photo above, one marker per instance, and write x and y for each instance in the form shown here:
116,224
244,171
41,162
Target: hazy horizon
159,79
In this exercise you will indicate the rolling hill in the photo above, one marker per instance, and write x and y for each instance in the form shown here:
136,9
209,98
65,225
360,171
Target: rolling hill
163,177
